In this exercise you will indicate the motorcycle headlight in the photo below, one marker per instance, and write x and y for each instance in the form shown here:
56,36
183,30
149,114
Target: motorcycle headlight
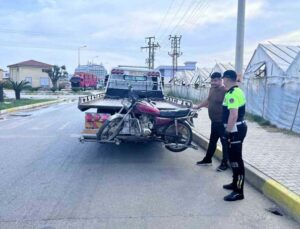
126,103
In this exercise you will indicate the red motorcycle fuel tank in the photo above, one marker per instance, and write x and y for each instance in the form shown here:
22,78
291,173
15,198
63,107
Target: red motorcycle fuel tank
146,108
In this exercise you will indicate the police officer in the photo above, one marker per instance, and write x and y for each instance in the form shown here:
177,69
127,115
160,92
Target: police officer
235,132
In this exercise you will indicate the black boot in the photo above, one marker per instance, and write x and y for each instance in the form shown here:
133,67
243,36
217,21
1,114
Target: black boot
222,167
204,162
234,196
230,186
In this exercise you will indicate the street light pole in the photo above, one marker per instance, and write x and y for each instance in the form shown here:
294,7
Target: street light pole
84,46
240,32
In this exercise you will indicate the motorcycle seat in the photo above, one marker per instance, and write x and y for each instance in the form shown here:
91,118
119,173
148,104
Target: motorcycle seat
174,113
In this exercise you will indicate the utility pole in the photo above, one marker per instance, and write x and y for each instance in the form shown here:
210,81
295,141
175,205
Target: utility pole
240,31
175,52
151,46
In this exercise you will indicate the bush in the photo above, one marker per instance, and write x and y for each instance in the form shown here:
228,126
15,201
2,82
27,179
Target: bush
32,89
7,85
76,89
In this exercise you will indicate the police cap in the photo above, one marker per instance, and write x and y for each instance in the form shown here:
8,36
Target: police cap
230,74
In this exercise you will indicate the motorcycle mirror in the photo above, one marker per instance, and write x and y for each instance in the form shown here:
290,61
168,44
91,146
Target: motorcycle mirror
130,87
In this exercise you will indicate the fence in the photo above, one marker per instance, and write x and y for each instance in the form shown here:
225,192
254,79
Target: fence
187,92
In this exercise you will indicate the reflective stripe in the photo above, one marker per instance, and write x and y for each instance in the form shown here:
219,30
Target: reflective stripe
240,181
234,164
236,142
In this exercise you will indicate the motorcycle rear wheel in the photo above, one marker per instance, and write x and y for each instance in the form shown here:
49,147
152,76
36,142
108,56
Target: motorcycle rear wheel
180,142
109,130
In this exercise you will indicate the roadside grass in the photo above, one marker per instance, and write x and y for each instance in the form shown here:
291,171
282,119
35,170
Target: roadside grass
259,120
11,103
267,125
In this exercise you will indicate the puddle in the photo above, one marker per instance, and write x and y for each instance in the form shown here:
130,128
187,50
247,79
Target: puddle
20,115
275,211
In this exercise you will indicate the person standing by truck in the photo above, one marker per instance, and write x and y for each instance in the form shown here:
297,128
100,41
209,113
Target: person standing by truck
234,108
214,104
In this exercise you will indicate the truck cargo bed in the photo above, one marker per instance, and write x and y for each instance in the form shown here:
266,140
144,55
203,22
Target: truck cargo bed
112,105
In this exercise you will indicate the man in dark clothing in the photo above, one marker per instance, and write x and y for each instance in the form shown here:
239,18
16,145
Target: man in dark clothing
234,108
215,109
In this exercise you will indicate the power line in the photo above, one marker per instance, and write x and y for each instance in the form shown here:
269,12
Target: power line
171,21
205,8
198,11
194,11
183,16
165,16
175,29
188,14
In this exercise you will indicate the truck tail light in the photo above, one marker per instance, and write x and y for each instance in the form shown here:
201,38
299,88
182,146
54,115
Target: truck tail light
153,74
117,71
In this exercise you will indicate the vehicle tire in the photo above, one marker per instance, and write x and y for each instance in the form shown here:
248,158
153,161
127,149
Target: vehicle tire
108,129
175,143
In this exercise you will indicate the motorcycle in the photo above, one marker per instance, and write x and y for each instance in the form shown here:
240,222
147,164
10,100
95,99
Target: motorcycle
139,120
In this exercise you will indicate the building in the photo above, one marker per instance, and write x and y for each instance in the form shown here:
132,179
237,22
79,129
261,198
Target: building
97,69
272,85
221,67
166,71
202,77
31,71
184,77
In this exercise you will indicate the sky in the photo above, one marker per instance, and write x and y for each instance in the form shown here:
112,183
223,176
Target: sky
51,31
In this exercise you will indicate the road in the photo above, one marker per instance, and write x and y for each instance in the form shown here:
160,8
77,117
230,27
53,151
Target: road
50,180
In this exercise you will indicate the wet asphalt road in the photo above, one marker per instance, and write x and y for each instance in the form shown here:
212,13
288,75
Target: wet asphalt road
50,180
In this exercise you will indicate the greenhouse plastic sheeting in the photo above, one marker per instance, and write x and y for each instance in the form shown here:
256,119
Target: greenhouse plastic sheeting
276,99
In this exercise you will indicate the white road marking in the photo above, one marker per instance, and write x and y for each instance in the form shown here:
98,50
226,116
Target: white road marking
15,124
64,126
26,136
41,127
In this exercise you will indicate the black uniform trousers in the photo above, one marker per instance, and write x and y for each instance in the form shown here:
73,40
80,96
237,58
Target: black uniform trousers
235,147
216,132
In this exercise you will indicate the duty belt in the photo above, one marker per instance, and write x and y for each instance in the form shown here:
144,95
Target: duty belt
237,123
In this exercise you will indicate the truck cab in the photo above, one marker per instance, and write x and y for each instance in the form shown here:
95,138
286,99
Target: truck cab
145,82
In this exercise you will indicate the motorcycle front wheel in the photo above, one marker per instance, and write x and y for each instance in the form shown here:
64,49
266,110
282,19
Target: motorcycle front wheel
181,141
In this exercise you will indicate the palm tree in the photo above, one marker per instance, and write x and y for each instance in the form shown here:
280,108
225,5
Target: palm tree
18,87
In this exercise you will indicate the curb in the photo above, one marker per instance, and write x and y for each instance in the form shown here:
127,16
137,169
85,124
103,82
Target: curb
286,199
26,107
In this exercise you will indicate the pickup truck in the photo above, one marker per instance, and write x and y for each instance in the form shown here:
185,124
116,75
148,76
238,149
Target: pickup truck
146,83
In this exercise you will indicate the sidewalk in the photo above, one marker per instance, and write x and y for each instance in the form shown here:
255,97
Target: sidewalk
268,151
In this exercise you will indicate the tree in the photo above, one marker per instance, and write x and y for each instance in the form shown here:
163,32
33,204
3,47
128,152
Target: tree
55,73
18,87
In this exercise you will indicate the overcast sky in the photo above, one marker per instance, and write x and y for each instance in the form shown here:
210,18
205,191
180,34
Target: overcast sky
114,30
